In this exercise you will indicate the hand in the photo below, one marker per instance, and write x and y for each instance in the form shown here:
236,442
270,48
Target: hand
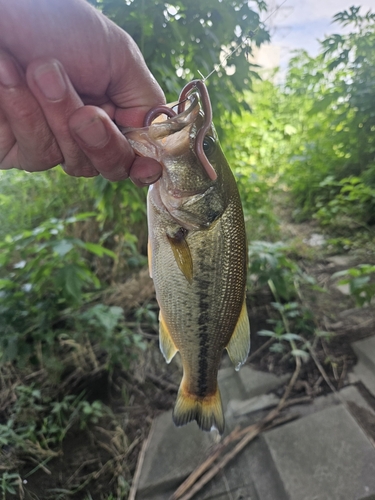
61,110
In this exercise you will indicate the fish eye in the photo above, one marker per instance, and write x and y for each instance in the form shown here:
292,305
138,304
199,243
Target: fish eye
209,145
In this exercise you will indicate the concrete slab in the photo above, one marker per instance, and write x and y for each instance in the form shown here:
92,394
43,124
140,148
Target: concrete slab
366,375
352,395
218,489
230,385
364,370
256,460
238,408
230,484
365,351
172,454
255,382
340,260
323,456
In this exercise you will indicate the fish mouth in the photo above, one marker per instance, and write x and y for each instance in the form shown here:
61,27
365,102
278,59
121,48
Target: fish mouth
194,100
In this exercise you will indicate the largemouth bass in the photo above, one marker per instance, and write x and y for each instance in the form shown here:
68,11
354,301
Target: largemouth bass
197,252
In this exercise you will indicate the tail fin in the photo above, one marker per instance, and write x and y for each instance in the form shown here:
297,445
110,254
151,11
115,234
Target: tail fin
207,411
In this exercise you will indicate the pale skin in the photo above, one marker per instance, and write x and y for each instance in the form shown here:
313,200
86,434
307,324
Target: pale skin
68,78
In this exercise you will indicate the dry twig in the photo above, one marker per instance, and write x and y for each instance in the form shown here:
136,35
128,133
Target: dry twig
137,475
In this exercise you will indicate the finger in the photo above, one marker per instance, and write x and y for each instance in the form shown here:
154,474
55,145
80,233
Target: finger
145,171
106,147
7,141
26,139
58,99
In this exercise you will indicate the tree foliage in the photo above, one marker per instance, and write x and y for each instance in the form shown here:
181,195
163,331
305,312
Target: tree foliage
331,100
181,38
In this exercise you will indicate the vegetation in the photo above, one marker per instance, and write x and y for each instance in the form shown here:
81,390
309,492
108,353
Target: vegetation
74,336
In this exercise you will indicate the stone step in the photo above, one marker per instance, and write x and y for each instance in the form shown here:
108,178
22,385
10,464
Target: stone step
247,383
322,456
326,443
173,453
364,370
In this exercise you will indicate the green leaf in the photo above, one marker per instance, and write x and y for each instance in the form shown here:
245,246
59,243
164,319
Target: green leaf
63,247
299,353
266,333
99,250
291,336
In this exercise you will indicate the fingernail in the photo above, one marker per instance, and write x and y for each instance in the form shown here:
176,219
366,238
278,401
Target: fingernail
146,181
50,81
9,75
93,133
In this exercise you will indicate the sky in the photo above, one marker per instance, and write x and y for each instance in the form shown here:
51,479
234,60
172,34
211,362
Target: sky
298,24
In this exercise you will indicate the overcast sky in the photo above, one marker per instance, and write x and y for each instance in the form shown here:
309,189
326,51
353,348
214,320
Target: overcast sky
300,23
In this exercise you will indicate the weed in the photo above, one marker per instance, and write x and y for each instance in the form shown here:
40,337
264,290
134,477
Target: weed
9,483
294,326
36,421
361,284
269,263
345,204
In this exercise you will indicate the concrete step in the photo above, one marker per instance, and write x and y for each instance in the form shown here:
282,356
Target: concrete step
247,383
365,368
323,456
173,453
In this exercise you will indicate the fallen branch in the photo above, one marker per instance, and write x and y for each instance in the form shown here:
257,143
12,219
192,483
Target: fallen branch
137,475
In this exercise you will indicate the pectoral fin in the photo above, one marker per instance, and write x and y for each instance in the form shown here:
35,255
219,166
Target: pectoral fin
167,345
239,344
182,255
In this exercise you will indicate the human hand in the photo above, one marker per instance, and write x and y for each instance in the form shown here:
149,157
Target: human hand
54,113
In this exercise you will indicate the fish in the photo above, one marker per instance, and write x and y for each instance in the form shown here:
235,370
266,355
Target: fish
197,251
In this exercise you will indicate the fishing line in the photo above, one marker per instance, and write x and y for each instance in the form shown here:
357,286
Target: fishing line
240,45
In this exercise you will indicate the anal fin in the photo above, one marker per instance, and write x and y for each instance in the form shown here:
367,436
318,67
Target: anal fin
239,345
167,345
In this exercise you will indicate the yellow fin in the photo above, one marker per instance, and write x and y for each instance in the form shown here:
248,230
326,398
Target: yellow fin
182,255
167,346
239,345
207,411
